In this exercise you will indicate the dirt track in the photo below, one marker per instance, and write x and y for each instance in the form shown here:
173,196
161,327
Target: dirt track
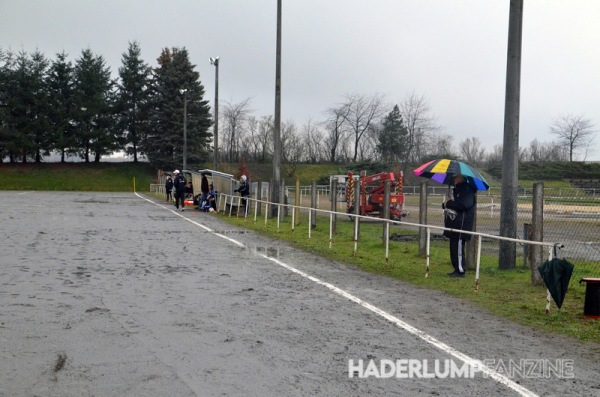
111,294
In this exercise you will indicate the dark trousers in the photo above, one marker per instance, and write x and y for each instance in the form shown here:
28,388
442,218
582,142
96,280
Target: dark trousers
169,196
457,255
179,197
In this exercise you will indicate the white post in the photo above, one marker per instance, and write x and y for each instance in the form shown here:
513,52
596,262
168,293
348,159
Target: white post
548,296
266,207
330,229
355,234
427,252
255,209
387,241
478,263
278,213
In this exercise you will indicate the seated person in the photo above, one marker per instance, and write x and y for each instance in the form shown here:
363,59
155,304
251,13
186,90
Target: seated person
189,190
211,200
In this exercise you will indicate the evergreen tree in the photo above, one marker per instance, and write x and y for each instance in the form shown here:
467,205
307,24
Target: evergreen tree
393,138
163,143
61,82
5,136
39,128
26,104
93,107
132,102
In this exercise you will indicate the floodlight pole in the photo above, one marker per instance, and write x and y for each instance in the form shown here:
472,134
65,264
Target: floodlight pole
184,92
215,61
276,194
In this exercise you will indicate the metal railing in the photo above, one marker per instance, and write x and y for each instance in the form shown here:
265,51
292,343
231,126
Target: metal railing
236,201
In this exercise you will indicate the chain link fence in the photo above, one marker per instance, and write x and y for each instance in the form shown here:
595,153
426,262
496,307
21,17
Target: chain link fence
571,218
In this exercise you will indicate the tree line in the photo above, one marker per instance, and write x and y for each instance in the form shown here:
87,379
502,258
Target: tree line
369,128
76,109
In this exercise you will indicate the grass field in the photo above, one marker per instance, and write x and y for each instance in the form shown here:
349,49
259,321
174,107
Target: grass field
101,177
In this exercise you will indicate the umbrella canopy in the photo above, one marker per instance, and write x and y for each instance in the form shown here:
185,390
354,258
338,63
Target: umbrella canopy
556,274
443,171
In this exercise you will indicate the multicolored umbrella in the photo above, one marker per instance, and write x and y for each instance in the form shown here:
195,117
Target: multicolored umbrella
443,171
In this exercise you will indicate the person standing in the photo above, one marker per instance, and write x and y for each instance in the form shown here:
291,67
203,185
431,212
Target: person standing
244,189
459,214
169,187
204,188
180,185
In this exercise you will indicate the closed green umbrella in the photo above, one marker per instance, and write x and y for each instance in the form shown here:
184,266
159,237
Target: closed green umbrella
556,274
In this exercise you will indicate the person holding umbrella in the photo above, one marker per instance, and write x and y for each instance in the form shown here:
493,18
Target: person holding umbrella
459,206
459,214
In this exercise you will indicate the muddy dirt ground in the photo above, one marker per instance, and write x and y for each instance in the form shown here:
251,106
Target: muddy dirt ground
115,294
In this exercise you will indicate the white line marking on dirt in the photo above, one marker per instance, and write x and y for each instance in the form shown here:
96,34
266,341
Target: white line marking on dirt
393,319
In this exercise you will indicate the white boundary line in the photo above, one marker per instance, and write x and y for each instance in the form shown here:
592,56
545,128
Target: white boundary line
393,319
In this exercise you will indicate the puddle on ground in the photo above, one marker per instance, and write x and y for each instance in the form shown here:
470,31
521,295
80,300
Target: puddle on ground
232,231
271,252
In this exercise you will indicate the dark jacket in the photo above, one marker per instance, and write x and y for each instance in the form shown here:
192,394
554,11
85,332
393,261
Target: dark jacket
244,189
204,185
169,184
180,184
464,207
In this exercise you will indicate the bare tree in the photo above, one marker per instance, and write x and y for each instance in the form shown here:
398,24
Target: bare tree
576,132
540,152
291,148
291,144
256,144
313,142
438,145
472,150
494,156
368,144
363,111
336,131
557,152
265,137
251,144
420,123
535,151
234,116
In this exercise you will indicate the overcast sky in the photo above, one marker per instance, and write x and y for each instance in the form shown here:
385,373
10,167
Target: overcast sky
452,52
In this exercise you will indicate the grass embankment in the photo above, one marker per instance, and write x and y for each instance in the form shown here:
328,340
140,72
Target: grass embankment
507,293
105,177
306,173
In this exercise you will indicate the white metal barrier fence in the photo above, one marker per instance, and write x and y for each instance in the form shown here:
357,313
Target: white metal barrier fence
237,202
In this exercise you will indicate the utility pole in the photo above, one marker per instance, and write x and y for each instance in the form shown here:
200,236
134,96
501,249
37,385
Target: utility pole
510,151
277,123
